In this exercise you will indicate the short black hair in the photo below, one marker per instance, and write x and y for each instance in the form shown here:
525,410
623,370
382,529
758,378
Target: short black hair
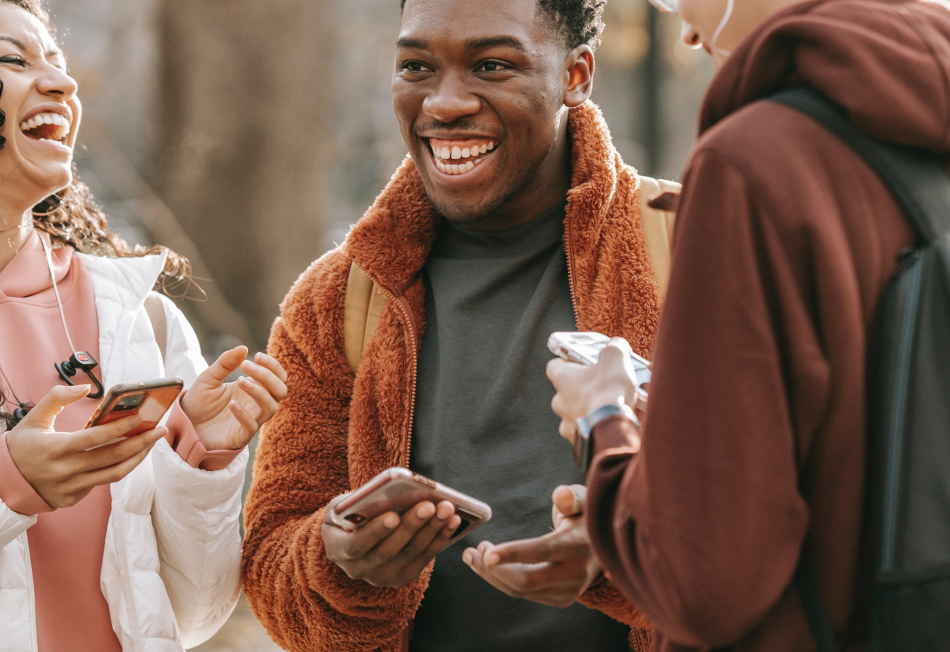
580,20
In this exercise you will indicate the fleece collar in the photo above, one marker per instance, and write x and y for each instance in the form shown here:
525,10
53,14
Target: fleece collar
393,239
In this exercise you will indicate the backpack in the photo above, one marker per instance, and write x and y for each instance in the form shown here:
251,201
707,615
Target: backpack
364,301
909,399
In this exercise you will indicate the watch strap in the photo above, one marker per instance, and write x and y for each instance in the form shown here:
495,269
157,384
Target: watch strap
583,440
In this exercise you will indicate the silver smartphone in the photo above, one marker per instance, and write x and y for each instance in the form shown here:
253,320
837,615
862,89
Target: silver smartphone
585,348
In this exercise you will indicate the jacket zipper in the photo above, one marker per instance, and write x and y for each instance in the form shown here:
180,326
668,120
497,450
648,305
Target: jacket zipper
895,440
406,310
403,304
569,246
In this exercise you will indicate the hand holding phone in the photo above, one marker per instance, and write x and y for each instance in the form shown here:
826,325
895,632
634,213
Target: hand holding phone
585,348
63,467
388,531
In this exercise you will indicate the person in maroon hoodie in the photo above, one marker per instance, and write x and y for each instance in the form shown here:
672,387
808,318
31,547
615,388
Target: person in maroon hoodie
753,445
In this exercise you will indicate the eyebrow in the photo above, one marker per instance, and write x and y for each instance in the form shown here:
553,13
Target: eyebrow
17,42
471,45
412,43
493,42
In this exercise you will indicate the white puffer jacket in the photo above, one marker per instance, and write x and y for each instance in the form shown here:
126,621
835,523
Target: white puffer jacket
171,568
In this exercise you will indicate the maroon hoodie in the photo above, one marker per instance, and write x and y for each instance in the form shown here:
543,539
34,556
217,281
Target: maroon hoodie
784,245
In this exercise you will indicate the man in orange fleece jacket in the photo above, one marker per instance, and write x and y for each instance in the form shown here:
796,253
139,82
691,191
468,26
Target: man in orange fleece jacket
514,217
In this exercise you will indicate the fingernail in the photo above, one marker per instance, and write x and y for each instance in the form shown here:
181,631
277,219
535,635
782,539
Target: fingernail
468,558
455,522
491,559
263,357
426,510
391,521
444,511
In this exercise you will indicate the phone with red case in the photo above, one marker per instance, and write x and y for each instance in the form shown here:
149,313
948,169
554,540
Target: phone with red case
151,400
398,489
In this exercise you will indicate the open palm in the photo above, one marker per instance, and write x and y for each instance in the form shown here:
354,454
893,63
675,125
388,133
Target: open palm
227,415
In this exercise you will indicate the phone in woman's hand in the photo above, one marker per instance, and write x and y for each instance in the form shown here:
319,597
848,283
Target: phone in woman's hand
151,400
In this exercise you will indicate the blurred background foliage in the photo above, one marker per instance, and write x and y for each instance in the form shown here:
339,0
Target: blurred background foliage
250,135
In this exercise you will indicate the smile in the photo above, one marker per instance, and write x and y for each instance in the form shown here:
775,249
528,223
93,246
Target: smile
455,157
48,127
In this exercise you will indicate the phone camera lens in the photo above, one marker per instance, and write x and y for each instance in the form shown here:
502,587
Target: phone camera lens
129,402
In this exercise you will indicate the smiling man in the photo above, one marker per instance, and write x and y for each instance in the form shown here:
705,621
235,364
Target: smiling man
513,217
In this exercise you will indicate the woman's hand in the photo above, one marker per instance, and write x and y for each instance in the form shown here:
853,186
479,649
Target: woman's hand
581,390
226,416
555,569
59,465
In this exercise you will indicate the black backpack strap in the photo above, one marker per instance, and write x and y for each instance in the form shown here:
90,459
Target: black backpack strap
917,178
806,583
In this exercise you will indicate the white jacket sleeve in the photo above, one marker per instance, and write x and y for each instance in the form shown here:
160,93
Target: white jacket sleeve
12,524
196,514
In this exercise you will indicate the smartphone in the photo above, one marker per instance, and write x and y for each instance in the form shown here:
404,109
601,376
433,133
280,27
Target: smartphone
398,489
585,348
151,400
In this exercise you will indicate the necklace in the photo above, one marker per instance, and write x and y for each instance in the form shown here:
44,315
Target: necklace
17,227
11,239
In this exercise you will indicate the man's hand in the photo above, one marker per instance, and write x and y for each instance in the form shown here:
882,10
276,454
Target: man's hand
582,390
59,465
391,550
555,569
226,416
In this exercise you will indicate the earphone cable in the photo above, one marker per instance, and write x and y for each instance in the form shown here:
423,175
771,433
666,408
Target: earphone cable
59,302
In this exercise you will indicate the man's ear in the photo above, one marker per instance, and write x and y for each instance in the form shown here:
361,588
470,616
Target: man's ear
578,76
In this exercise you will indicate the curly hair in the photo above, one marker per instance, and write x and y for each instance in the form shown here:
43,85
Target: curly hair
72,217
580,21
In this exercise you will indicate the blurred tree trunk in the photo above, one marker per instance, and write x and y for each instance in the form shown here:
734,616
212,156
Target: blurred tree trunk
245,139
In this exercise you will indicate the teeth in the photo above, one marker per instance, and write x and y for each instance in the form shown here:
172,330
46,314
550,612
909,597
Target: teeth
46,119
445,153
491,146
456,153
469,166
466,153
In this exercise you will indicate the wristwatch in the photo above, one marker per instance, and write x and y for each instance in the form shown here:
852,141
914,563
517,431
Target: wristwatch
584,441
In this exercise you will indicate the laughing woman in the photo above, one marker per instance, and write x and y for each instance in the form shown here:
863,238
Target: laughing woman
134,545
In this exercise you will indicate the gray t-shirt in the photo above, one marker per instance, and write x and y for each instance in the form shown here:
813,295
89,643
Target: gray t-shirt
484,426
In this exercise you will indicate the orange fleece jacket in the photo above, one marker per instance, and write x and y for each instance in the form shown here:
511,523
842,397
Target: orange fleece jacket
334,432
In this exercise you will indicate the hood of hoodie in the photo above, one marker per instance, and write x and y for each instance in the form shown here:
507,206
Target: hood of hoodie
887,62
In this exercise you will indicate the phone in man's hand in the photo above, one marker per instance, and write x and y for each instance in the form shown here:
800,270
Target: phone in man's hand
151,400
397,490
585,348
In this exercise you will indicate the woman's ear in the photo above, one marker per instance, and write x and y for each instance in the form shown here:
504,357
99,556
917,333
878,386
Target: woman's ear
579,76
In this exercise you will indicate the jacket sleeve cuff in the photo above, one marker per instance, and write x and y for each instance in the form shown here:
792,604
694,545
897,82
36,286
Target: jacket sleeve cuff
18,494
184,440
356,597
605,597
616,433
